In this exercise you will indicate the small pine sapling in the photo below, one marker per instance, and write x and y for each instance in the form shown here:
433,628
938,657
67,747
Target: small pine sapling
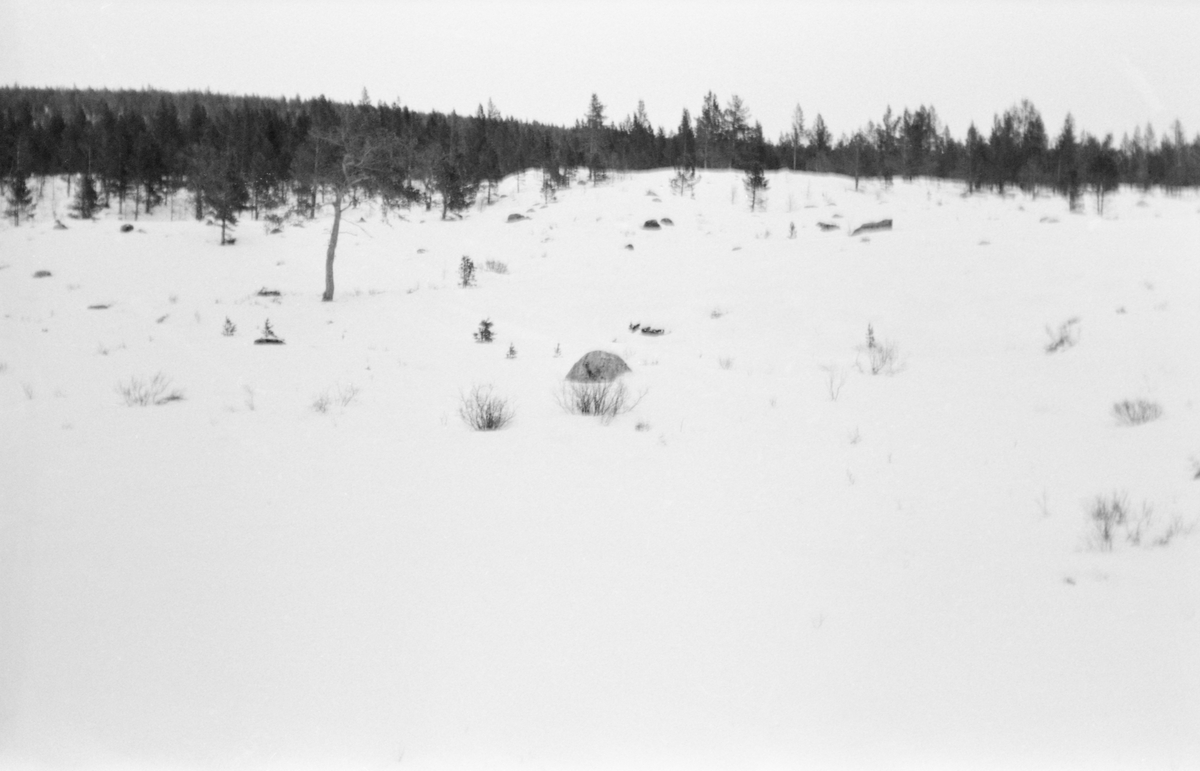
466,272
791,230
558,353
870,338
230,329
512,352
484,335
268,335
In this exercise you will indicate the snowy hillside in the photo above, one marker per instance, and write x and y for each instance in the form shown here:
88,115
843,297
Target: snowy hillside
775,559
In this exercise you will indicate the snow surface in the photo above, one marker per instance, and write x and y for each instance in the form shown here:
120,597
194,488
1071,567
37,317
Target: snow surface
742,572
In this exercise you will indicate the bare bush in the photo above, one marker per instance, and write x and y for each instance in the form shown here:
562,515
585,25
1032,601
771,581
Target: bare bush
482,410
1066,336
340,395
835,378
725,362
605,399
883,357
1136,412
1113,515
495,266
1107,515
144,393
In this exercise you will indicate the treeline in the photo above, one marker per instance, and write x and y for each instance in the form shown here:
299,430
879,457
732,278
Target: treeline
234,154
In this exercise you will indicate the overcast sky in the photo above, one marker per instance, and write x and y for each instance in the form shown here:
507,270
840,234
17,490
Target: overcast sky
1113,65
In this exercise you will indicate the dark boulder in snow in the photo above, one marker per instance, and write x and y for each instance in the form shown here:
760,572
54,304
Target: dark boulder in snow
868,226
516,217
827,226
127,228
651,225
666,221
598,366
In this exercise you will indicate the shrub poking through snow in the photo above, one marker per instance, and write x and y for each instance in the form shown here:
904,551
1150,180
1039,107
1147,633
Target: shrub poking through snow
268,335
558,352
1111,516
883,357
144,393
230,329
604,399
1137,412
466,272
495,266
340,395
1066,336
482,410
484,335
1107,514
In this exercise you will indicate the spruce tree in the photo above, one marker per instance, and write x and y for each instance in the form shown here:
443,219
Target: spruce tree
454,185
596,145
20,198
86,201
222,188
1066,151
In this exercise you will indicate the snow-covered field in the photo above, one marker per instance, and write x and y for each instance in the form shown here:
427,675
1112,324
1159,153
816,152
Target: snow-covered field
775,560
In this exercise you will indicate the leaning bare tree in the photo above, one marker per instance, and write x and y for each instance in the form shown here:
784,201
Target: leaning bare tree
358,156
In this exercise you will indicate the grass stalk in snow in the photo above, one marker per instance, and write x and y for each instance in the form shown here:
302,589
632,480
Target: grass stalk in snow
144,393
1136,412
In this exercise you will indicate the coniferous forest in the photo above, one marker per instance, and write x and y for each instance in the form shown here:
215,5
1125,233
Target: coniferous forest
250,155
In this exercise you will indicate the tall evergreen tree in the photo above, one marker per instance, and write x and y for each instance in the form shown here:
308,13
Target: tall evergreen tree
596,145
222,188
1066,158
455,185
796,135
20,197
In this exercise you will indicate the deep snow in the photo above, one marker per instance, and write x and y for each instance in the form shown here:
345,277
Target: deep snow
743,572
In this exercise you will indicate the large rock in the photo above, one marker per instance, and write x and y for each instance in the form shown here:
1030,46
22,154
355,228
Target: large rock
869,226
598,366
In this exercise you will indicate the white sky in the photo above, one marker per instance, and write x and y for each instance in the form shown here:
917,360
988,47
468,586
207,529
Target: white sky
1113,65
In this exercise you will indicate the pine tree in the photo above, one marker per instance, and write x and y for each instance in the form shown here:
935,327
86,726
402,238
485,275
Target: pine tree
1066,151
454,185
86,200
222,188
20,198
596,145
796,137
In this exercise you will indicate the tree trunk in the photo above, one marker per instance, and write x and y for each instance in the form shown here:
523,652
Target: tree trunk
333,236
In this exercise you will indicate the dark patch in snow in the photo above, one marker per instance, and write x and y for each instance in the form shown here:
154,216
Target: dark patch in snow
869,226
